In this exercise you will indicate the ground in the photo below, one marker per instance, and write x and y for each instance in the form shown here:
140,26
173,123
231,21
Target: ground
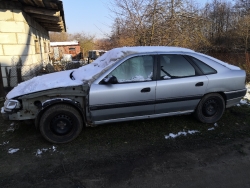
132,154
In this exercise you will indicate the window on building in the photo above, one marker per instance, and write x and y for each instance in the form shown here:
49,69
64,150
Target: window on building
72,49
37,47
45,47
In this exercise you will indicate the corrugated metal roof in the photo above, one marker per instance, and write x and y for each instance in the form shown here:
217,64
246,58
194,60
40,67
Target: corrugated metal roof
69,43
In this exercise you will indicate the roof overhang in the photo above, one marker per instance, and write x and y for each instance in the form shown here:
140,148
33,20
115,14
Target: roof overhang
48,13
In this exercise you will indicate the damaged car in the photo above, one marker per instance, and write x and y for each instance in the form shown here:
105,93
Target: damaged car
128,83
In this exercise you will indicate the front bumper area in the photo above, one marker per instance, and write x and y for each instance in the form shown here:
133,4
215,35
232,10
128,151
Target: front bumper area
4,114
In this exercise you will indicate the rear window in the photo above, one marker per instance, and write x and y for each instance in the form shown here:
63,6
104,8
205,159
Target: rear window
204,67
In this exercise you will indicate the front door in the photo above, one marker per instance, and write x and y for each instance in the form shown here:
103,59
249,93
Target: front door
133,96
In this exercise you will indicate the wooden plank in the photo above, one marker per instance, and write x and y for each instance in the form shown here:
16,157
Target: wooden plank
50,4
41,21
52,25
39,3
42,11
53,5
54,29
10,5
44,17
29,2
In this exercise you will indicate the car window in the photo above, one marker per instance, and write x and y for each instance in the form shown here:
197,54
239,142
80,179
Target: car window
135,69
175,66
204,67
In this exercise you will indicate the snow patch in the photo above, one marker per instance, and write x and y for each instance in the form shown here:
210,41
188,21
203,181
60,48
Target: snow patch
4,143
211,129
39,152
172,135
11,150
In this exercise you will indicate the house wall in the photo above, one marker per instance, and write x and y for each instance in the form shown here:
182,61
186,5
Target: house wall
24,46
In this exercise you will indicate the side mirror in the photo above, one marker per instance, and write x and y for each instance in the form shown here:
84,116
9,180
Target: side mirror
110,80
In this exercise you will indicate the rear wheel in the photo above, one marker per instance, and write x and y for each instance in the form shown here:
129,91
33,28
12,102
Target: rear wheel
61,123
211,108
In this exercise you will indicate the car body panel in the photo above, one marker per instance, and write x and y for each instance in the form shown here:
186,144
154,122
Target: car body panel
175,95
121,100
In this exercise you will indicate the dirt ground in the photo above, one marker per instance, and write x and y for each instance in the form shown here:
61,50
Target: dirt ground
132,154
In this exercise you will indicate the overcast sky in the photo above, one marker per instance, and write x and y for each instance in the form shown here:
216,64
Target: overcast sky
91,16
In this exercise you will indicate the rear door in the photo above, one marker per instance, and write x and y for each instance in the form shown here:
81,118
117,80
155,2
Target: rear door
133,95
180,85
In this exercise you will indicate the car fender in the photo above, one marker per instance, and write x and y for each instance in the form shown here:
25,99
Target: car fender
48,103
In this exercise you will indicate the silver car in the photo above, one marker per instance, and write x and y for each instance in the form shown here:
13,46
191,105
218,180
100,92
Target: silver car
128,83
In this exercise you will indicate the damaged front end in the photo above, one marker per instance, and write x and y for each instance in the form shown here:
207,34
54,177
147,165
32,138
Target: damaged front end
10,106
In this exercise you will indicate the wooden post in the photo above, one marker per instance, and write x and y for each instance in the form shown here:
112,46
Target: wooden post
2,92
247,61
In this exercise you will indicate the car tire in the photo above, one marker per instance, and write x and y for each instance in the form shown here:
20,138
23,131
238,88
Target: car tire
61,124
211,108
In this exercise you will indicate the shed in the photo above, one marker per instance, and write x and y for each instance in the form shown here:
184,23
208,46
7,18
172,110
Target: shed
59,49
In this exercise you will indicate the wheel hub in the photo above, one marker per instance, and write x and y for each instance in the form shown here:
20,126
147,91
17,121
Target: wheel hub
61,124
210,107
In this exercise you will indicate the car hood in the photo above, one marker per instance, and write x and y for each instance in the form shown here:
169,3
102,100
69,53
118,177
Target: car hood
44,82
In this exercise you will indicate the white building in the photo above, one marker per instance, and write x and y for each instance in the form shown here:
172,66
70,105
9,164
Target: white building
24,37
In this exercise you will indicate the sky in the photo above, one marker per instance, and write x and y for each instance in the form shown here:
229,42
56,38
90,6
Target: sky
92,17
89,16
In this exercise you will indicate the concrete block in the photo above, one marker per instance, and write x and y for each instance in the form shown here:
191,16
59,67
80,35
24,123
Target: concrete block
6,15
5,60
37,59
17,49
23,38
8,38
27,28
27,60
12,27
18,16
1,50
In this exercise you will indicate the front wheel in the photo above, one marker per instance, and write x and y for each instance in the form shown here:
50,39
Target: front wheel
211,108
61,123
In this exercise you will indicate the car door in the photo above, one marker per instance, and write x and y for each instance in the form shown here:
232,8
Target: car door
180,86
133,96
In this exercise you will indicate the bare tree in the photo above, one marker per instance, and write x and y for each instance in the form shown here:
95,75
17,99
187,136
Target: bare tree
58,37
87,42
157,22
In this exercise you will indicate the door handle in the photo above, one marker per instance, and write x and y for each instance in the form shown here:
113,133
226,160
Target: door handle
199,84
147,89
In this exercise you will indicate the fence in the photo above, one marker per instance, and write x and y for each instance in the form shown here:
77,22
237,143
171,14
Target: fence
13,75
10,76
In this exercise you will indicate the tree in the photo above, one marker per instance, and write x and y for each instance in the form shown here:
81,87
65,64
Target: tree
86,41
58,37
157,22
